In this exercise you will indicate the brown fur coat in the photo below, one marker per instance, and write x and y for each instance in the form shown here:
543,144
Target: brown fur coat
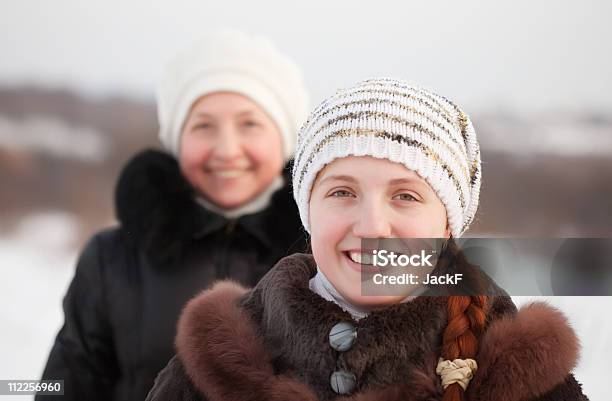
271,343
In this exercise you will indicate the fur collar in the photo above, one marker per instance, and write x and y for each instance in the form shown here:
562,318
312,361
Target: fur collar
271,344
158,214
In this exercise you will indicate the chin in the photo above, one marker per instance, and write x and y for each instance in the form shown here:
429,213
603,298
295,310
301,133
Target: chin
231,203
229,200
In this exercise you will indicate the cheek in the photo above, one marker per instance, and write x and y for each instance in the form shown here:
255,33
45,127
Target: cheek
320,233
191,148
329,229
325,235
194,152
265,153
324,241
325,231
429,222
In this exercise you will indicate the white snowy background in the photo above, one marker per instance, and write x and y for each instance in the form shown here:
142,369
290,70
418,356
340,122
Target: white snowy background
547,62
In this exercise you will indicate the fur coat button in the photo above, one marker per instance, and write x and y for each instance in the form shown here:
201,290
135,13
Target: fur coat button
342,336
343,382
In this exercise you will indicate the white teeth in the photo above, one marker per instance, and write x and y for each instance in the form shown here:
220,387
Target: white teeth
360,258
228,173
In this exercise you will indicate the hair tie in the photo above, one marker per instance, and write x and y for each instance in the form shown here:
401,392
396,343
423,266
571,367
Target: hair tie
458,371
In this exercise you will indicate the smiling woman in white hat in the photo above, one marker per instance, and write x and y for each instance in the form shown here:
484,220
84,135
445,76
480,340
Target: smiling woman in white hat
217,204
382,159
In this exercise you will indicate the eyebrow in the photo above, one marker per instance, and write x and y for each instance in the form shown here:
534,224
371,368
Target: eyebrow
239,114
339,178
348,178
205,115
399,181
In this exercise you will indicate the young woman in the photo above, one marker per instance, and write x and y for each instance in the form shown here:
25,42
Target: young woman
216,205
380,160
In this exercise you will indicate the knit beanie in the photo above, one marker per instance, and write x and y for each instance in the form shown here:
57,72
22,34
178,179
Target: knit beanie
232,61
391,119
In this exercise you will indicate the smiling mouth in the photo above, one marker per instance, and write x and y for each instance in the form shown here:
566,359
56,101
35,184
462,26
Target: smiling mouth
229,173
359,257
361,262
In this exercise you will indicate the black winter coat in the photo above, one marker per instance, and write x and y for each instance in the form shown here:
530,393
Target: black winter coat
272,343
132,281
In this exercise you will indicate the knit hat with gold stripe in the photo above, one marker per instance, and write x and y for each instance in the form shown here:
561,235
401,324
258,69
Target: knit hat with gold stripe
391,119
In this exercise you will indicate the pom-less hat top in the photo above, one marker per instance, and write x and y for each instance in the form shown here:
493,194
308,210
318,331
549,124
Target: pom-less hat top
391,119
232,61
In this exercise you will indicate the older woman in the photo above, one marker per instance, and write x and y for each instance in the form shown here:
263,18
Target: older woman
216,205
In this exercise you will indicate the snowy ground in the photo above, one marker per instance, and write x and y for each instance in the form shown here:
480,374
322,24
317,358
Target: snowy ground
37,264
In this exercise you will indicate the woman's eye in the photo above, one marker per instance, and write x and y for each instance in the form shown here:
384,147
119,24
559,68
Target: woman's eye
250,124
405,197
202,126
341,193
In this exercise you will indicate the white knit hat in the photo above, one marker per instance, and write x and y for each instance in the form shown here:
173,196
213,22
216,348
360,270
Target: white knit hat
390,119
232,61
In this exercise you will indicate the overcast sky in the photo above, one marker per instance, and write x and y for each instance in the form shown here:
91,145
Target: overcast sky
523,55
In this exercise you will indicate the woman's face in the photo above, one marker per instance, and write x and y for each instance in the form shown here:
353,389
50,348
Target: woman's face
231,150
365,197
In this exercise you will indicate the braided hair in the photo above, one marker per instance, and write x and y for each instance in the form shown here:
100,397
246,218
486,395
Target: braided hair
466,318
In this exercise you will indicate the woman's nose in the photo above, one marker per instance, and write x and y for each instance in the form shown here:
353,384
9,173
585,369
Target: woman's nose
228,144
372,222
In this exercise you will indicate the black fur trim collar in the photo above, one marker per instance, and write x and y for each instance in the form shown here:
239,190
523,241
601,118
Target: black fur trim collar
158,215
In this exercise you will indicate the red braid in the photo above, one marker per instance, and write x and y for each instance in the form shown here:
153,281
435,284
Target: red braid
466,323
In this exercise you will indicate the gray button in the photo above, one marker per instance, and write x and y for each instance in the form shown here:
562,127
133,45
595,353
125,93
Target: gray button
342,336
343,382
